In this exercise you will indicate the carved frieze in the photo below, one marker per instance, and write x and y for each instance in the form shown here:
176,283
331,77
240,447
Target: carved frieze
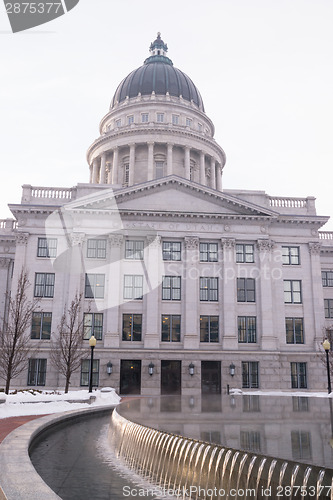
314,248
265,245
116,240
191,242
4,263
21,238
76,238
228,243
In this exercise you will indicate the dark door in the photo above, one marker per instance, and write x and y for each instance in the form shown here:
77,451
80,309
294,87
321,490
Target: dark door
130,376
171,382
211,377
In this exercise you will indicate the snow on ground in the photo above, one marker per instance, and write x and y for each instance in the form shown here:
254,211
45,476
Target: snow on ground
31,402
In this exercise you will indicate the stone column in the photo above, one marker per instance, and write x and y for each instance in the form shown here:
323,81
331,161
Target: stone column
90,174
115,166
113,320
317,295
264,297
190,327
212,173
109,172
150,161
228,326
95,171
131,165
219,177
152,315
169,159
202,169
187,163
102,170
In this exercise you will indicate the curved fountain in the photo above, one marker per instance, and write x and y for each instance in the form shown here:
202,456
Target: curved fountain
189,467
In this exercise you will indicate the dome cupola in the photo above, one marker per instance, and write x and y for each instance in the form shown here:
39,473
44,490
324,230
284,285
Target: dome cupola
156,127
159,76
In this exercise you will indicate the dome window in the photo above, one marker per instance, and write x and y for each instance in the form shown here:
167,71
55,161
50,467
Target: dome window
118,123
175,119
160,117
144,118
130,119
188,122
159,169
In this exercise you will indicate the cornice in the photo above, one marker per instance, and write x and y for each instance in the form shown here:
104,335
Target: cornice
130,132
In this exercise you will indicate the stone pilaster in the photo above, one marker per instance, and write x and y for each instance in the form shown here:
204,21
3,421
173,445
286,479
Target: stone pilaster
150,160
190,326
202,169
187,163
102,169
154,277
169,159
113,323
229,295
317,293
264,297
131,165
115,166
95,171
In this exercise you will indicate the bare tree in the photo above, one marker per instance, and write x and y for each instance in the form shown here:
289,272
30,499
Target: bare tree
67,351
15,334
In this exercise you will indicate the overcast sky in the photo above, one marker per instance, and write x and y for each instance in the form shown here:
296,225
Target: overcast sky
263,67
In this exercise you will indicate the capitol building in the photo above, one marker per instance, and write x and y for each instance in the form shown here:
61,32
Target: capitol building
184,283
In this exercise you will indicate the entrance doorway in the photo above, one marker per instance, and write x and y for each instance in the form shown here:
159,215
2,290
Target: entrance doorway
211,377
130,376
171,380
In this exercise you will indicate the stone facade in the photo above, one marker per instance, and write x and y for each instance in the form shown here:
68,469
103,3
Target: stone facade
174,270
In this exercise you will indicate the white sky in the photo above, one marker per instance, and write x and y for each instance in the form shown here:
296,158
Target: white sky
263,67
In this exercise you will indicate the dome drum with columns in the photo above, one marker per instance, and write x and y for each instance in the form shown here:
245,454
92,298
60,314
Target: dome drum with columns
156,127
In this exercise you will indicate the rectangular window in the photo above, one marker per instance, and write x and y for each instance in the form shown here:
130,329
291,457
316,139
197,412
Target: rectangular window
41,325
208,252
130,119
300,403
246,290
159,169
244,253
290,256
93,325
250,441
171,328
327,278
171,288
96,249
160,117
175,119
188,122
292,292
132,327
250,374
47,247
94,286
328,305
37,371
301,445
144,117
171,250
247,329
133,286
294,331
251,403
199,127
209,328
85,372
118,123
298,376
134,249
209,289
44,285
126,174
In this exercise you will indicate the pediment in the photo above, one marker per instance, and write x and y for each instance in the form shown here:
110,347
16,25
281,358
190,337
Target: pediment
170,194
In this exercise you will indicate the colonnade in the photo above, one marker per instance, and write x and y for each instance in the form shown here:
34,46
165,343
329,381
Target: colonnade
106,168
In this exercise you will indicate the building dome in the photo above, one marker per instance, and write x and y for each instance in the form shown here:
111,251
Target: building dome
158,75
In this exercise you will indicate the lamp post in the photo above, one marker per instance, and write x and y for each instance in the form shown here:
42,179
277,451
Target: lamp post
327,346
92,343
